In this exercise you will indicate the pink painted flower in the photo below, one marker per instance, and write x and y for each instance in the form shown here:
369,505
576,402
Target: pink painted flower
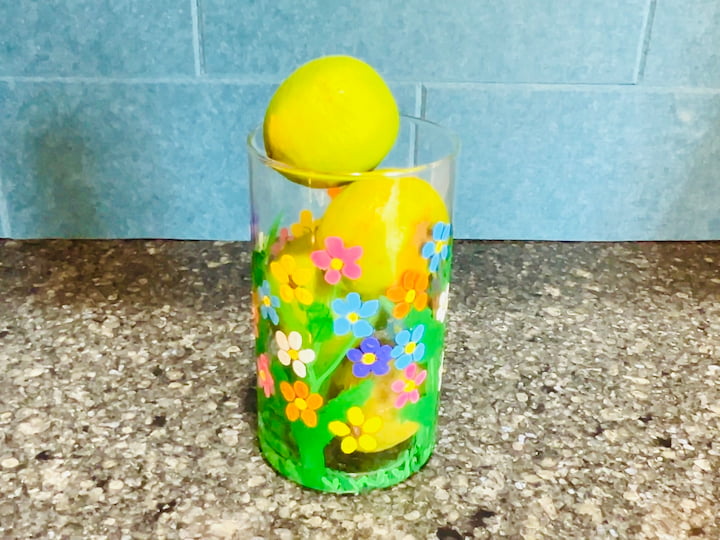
407,388
283,238
265,380
337,260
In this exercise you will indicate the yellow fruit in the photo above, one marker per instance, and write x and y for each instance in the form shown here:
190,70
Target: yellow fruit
390,218
334,114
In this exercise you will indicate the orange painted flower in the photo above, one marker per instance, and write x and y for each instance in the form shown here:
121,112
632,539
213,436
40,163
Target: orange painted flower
410,292
293,279
301,403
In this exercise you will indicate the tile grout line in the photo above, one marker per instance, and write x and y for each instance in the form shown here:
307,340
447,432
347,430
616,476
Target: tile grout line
417,112
262,80
199,57
272,80
564,87
419,100
644,46
179,79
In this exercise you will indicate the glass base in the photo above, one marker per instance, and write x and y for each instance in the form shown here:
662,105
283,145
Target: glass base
330,480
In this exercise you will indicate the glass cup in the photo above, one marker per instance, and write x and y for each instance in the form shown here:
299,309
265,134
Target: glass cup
350,279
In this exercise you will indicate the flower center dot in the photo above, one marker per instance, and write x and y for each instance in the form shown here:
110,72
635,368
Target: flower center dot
266,301
439,246
368,359
301,404
410,296
410,347
293,354
353,317
336,264
409,386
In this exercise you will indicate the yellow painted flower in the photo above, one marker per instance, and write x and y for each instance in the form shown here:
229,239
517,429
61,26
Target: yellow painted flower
293,280
357,433
307,224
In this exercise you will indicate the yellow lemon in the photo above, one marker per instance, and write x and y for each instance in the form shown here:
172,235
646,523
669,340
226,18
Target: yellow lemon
390,218
334,114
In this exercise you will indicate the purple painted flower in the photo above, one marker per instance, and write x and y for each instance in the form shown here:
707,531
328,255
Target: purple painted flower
370,357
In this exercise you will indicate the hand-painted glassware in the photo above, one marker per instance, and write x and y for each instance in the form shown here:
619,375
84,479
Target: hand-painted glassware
350,277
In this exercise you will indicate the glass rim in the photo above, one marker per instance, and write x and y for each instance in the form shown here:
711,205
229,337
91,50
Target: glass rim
337,178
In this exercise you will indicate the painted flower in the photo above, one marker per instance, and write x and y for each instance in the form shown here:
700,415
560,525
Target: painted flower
370,357
255,314
410,292
282,239
352,312
407,388
306,224
357,433
293,280
443,301
337,260
260,240
292,353
268,303
264,378
409,348
301,403
437,249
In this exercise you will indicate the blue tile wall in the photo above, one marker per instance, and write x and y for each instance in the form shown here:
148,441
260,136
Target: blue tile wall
580,119
685,45
584,164
517,40
131,160
96,37
4,211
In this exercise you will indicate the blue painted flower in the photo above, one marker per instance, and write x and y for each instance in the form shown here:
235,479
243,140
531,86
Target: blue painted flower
371,357
437,249
409,348
268,303
352,314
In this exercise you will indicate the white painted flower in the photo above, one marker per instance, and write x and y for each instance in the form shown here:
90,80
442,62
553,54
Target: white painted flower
292,353
443,302
260,241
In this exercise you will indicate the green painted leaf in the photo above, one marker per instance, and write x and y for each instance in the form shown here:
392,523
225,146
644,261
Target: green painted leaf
424,412
320,322
259,260
336,408
258,264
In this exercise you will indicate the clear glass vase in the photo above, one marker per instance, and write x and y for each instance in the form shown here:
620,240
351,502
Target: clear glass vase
350,276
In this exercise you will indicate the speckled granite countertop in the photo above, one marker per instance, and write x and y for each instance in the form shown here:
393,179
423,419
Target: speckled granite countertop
581,398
